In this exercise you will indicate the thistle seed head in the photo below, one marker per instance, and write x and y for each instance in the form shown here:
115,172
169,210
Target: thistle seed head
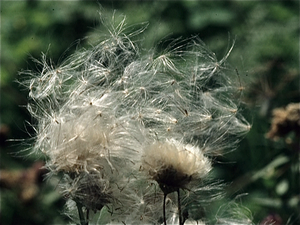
174,165
110,109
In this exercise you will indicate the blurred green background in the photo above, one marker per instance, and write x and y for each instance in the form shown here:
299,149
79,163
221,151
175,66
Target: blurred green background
266,56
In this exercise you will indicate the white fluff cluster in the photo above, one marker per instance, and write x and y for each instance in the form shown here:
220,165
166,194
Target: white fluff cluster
116,121
174,165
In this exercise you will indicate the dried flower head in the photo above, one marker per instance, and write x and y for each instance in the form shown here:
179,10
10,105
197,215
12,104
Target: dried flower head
90,190
284,121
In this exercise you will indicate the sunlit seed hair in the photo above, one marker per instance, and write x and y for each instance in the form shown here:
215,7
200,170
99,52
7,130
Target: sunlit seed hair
232,213
174,220
196,202
111,110
185,93
89,141
145,203
174,165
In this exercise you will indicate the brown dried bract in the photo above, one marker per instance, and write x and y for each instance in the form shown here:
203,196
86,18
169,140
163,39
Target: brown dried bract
285,120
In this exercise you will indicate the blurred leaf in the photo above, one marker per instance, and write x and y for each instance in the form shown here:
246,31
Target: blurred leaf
282,187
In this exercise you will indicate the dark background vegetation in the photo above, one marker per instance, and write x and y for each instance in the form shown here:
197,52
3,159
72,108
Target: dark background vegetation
266,56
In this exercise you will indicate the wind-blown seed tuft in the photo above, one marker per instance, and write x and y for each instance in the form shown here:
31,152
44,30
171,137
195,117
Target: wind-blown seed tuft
174,165
125,127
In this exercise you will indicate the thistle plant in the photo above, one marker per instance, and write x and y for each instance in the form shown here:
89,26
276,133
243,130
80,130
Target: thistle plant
134,132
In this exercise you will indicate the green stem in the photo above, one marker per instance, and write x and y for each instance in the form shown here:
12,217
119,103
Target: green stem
81,215
87,216
181,222
164,209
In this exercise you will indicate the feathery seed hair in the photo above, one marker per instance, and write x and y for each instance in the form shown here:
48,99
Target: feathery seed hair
109,113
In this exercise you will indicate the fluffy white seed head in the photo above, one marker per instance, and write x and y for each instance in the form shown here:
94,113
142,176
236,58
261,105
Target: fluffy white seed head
109,109
174,165
87,136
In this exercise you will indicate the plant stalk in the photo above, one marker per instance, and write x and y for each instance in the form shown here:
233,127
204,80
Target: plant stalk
181,222
164,209
81,215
